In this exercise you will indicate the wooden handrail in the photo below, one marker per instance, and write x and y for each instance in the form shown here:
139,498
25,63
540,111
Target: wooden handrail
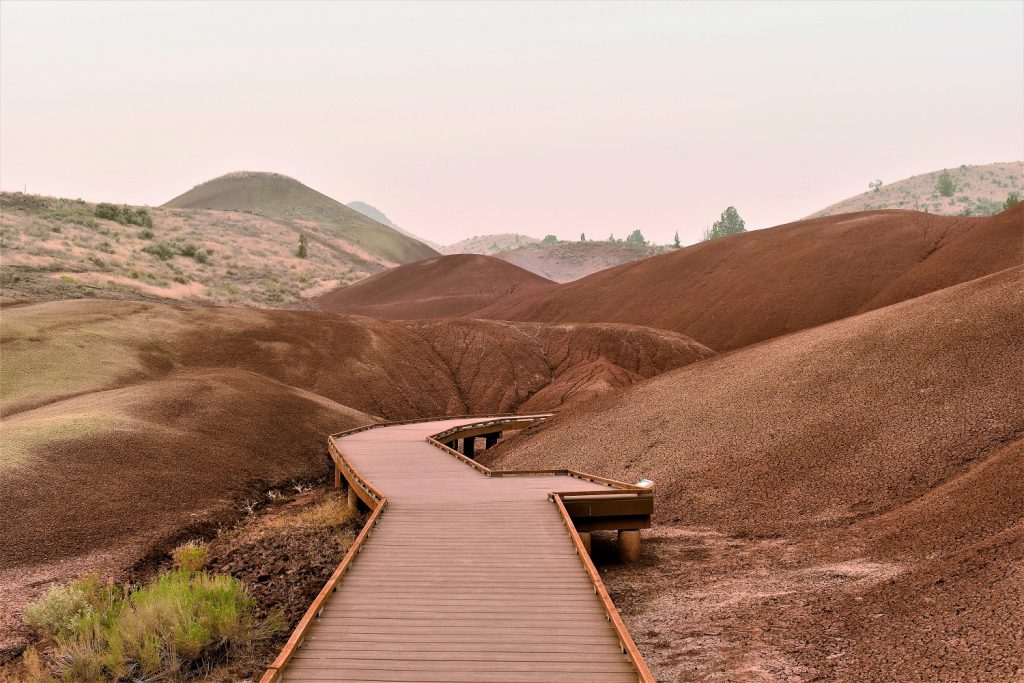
316,607
341,461
433,440
629,647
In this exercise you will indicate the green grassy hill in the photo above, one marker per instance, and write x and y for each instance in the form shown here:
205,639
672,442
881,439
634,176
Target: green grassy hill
279,197
231,241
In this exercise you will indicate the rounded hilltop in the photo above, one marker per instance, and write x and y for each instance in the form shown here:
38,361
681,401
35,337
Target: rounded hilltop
452,285
281,197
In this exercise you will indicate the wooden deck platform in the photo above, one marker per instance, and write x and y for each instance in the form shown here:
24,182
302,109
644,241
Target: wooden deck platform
465,578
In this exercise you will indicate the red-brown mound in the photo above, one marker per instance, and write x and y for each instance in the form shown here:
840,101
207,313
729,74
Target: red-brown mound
440,287
164,456
738,290
127,423
880,453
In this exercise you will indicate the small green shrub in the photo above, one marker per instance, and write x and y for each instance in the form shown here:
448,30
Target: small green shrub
189,557
108,212
945,185
182,621
636,237
145,234
64,609
161,250
165,251
125,215
187,249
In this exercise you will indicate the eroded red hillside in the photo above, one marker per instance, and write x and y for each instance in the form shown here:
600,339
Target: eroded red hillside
734,291
128,425
843,503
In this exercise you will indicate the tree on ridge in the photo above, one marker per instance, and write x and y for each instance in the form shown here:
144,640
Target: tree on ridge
729,223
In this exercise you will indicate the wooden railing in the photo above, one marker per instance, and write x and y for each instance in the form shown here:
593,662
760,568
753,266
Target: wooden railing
377,502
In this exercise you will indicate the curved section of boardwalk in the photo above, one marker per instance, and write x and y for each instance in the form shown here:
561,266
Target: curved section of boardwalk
465,578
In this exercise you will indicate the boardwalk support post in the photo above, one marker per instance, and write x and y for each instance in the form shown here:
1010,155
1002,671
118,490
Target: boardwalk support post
629,545
490,440
353,500
469,446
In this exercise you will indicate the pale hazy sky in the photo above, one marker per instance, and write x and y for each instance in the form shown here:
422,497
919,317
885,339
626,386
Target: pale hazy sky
461,119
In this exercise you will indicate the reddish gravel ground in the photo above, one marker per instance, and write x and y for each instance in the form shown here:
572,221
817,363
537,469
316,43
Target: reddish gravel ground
735,291
439,287
845,503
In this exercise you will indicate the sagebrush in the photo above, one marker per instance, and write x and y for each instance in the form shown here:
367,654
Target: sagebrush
179,624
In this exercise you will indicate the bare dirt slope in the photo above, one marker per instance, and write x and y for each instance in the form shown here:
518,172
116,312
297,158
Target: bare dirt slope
568,261
445,286
980,190
734,291
844,503
127,424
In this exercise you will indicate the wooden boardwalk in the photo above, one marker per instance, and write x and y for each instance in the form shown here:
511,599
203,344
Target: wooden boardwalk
465,578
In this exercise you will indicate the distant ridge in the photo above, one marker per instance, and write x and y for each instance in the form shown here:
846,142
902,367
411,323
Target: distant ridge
277,196
489,245
371,211
980,191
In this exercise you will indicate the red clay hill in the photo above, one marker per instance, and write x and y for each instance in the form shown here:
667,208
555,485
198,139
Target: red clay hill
845,503
147,421
446,286
738,290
